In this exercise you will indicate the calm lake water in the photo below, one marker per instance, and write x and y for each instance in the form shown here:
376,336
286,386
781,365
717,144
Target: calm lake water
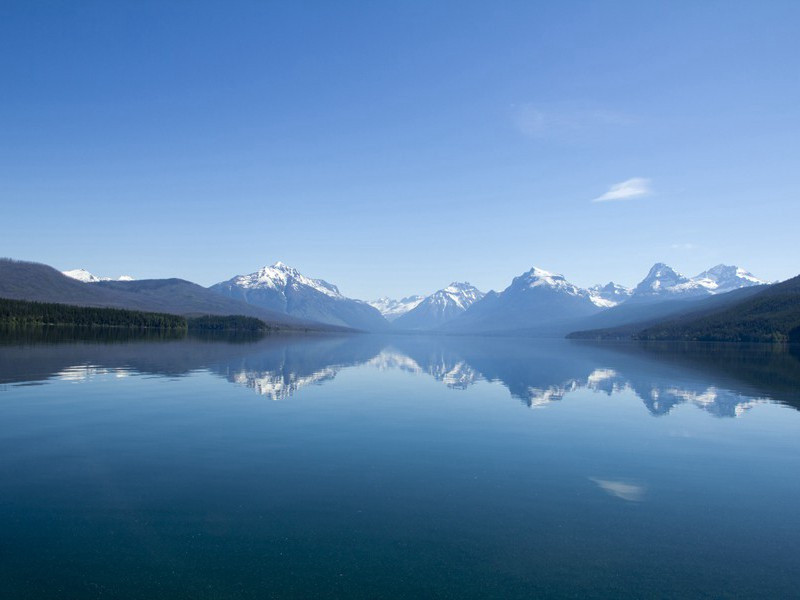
405,467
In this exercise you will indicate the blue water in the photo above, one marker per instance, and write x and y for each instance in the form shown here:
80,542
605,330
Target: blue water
406,467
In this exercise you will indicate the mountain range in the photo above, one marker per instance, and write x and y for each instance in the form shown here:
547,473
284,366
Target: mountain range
665,282
41,283
537,302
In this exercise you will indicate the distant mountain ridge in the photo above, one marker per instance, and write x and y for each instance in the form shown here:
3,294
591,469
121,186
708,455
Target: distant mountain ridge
284,289
537,302
664,281
440,307
40,283
87,277
610,294
772,315
533,299
392,309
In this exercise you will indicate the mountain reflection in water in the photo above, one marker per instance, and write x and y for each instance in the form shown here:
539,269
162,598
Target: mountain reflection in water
723,380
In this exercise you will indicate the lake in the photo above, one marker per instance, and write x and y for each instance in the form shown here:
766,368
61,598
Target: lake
396,467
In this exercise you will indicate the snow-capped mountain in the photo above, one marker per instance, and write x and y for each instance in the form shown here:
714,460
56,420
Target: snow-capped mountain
663,282
283,288
533,299
440,307
726,278
87,277
392,309
609,295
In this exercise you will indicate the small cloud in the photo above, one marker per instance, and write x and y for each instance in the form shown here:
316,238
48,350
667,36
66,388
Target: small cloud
629,492
557,123
636,187
686,246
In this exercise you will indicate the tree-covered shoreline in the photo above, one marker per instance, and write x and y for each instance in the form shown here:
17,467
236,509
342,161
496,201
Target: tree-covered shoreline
23,313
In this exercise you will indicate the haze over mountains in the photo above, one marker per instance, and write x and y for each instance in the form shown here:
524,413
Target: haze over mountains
536,302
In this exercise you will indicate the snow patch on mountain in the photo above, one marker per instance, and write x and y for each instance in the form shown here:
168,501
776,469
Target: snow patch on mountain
87,277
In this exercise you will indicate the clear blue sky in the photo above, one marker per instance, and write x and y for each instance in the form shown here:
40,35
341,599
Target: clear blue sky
391,148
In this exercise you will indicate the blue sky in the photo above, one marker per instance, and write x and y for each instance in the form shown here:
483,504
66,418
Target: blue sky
393,148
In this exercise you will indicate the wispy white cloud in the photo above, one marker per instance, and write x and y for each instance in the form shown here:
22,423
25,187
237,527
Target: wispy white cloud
630,492
636,187
536,122
686,246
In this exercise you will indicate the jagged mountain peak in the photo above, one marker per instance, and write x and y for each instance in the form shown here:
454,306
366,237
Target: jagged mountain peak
662,270
609,287
280,275
722,278
664,280
282,266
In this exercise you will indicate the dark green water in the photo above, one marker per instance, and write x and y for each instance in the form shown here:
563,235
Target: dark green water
407,467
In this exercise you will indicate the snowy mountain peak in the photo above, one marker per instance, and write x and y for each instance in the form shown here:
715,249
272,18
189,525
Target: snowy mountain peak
664,280
725,278
392,309
280,276
539,278
459,286
441,306
282,288
87,277
537,273
609,295
282,266
663,272
458,294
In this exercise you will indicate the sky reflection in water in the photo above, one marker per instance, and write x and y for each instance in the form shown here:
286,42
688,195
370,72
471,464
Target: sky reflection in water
397,467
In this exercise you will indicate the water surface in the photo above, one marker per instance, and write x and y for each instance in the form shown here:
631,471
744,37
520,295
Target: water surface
379,467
